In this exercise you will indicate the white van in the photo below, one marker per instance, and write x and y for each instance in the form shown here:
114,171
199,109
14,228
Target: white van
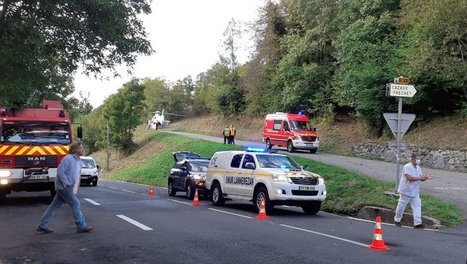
89,171
255,175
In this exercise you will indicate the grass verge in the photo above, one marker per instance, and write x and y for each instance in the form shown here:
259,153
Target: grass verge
347,192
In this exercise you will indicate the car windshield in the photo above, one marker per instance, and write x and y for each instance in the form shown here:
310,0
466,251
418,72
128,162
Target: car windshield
300,125
35,132
199,166
277,162
87,164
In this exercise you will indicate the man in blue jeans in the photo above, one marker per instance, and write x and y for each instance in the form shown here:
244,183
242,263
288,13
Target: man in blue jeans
66,185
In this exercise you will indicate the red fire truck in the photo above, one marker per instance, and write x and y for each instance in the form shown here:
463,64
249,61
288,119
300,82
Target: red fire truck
32,144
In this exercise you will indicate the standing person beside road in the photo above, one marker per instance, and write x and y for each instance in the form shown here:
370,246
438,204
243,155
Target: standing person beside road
226,134
66,184
409,189
233,133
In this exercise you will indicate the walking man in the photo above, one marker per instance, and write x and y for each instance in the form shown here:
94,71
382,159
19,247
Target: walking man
66,185
226,133
409,188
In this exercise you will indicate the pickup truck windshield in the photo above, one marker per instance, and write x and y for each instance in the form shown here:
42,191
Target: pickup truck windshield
277,162
30,132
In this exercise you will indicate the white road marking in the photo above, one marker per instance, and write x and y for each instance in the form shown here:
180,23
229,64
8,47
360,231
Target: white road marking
225,212
128,191
111,187
179,202
91,201
136,223
326,235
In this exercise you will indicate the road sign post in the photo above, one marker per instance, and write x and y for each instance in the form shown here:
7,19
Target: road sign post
399,123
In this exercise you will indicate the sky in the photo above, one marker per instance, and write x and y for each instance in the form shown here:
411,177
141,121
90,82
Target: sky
187,38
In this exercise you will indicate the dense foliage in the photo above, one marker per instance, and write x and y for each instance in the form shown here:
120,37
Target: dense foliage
42,43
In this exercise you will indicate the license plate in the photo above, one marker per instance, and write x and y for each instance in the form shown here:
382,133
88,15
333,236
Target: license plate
84,177
38,177
306,188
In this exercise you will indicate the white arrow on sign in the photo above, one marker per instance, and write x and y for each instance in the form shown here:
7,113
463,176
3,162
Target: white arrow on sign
401,90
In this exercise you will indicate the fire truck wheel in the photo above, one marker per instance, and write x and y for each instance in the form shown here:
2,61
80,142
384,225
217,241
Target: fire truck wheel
268,144
52,190
2,196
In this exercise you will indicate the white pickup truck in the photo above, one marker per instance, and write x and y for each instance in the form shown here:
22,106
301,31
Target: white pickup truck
254,175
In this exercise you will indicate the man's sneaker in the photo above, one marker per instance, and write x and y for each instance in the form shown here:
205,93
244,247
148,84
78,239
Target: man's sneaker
420,226
45,230
85,229
398,224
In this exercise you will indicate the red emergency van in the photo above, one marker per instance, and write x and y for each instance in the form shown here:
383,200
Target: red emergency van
293,131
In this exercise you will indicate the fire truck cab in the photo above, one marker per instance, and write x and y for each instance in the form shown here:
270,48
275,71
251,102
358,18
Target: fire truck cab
32,143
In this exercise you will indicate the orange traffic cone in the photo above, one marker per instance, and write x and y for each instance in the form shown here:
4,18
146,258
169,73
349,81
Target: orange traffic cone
378,242
262,210
151,191
195,198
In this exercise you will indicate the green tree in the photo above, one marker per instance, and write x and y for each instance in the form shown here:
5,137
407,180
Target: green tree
124,111
43,42
433,41
366,55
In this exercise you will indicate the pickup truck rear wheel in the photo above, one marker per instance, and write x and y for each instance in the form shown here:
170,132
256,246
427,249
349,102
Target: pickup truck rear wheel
311,208
216,194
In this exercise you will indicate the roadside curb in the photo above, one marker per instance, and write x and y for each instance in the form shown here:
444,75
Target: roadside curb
387,216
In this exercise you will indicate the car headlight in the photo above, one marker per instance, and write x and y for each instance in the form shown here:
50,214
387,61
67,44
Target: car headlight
279,178
321,180
199,177
5,173
96,173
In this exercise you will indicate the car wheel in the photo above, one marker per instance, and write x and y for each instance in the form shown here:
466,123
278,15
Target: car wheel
190,193
290,147
216,195
94,183
170,189
268,144
313,151
311,208
260,193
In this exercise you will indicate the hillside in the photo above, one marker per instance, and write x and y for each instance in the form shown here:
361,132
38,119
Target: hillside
338,137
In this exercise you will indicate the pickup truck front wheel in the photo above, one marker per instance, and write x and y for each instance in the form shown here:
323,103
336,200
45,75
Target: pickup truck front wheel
262,193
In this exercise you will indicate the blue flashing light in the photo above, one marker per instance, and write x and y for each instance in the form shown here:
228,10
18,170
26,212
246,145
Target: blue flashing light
4,111
255,149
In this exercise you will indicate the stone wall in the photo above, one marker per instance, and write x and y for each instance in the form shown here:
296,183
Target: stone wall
455,160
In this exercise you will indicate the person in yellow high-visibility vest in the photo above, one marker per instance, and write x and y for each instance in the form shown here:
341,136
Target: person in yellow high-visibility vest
233,133
226,134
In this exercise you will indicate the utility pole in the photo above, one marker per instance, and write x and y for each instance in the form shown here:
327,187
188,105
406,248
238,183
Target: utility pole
107,147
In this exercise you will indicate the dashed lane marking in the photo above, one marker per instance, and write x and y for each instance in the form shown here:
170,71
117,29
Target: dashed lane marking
92,201
326,235
128,191
134,222
225,212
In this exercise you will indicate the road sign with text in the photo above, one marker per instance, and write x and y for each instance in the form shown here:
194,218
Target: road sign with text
401,90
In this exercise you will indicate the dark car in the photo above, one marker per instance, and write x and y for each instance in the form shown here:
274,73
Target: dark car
188,174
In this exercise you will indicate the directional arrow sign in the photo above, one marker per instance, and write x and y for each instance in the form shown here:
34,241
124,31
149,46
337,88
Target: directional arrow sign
401,90
406,120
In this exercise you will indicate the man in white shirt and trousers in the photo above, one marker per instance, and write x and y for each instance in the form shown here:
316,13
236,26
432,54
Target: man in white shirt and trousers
409,188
